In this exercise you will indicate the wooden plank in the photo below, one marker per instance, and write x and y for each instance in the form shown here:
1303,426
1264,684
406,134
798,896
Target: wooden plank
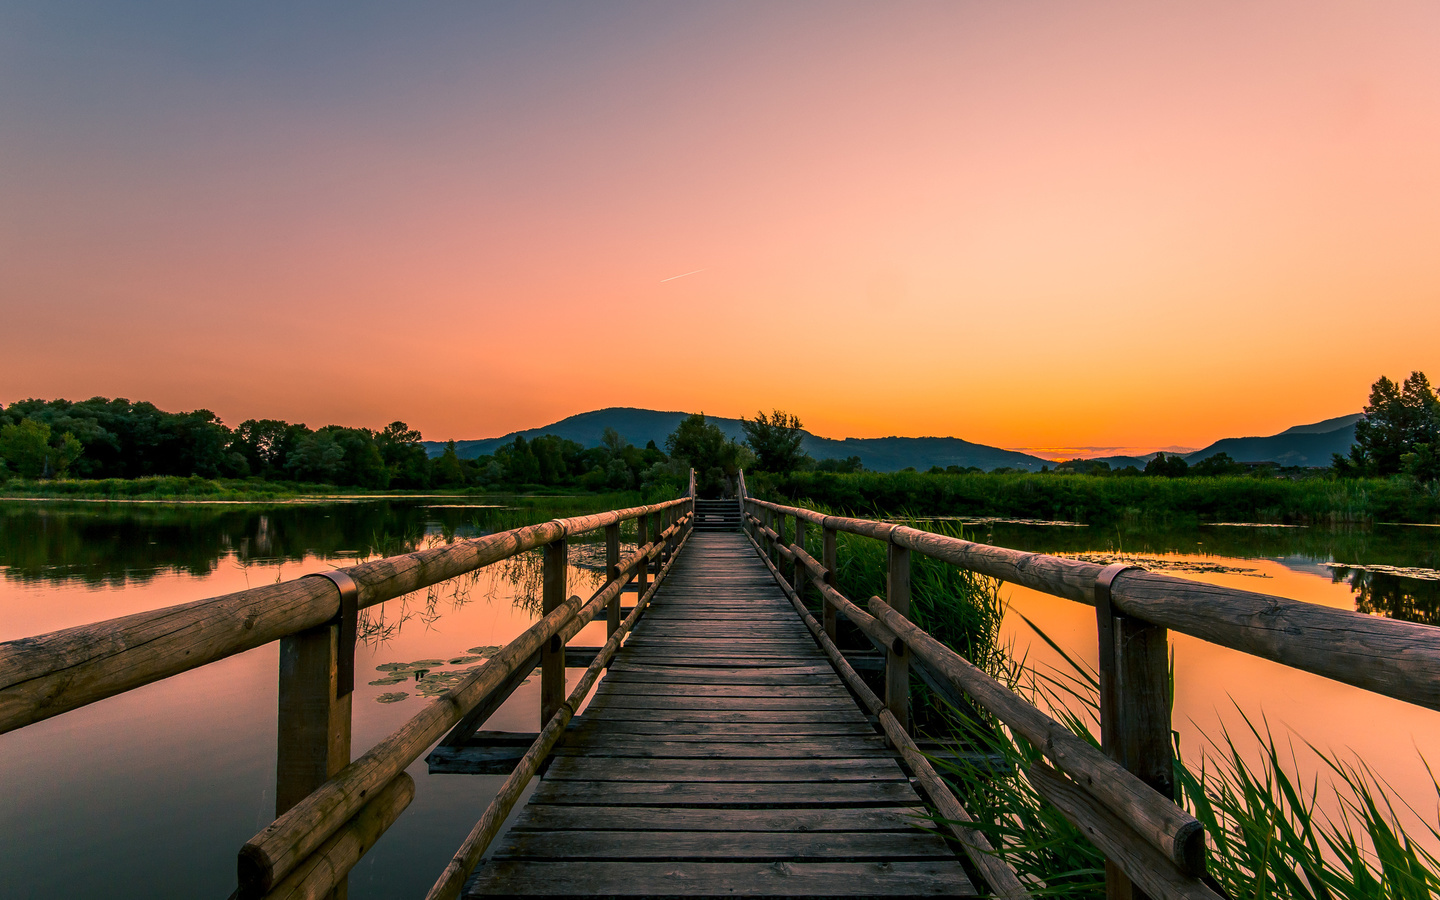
748,717
747,703
669,818
829,747
675,771
716,729
720,845
733,794
931,878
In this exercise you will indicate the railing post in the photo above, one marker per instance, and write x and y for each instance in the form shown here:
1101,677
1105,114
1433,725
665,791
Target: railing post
612,573
642,572
779,527
800,573
828,560
316,689
897,664
552,658
1134,705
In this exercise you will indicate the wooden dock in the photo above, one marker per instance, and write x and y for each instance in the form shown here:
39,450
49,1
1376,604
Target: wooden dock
721,756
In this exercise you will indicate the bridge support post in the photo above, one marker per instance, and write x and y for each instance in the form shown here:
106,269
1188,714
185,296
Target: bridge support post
552,658
612,572
1135,722
642,571
799,573
897,663
828,561
313,740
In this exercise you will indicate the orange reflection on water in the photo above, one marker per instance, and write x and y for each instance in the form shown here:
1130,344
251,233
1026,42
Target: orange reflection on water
1214,685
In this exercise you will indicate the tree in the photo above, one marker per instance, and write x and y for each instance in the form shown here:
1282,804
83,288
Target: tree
1167,466
847,465
1398,419
1218,464
404,456
703,446
776,440
448,469
28,449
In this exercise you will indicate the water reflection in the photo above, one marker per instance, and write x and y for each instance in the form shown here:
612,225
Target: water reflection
1393,596
119,544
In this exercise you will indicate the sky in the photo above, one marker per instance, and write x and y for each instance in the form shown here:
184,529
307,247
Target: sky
1025,224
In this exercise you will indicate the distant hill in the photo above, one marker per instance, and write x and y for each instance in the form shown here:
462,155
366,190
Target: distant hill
639,426
1302,445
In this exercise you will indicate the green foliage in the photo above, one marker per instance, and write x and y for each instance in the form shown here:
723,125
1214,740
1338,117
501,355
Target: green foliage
1082,467
848,464
1398,420
29,450
1217,465
1268,838
776,440
703,447
1166,466
1097,500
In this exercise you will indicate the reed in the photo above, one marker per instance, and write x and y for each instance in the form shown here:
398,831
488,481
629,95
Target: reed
1109,499
1269,834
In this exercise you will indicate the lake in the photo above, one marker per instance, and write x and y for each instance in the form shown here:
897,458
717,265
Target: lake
158,788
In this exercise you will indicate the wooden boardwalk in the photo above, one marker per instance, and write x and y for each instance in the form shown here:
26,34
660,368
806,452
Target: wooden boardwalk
721,756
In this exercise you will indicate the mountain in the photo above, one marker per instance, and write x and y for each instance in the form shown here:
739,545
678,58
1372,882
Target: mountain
639,426
1301,445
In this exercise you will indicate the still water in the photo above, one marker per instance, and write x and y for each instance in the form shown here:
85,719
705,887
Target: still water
151,793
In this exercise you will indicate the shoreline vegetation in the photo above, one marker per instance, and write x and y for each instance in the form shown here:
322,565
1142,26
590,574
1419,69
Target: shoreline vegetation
1274,831
1081,499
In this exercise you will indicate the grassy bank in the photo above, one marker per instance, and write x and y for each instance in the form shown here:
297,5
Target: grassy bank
1267,834
1097,500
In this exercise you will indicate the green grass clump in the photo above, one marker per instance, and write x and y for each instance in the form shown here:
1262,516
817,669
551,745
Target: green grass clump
1267,834
1108,499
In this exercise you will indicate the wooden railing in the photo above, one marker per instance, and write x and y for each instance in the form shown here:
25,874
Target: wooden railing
330,810
1123,798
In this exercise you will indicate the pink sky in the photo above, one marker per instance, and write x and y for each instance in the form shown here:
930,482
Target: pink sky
1024,225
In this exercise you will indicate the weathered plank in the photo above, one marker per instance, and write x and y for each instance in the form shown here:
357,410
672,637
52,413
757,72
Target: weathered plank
721,756
933,878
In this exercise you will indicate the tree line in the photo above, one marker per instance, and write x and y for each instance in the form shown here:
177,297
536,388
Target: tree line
105,438
116,438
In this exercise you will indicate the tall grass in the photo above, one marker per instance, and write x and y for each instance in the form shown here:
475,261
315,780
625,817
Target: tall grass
1101,500
1268,835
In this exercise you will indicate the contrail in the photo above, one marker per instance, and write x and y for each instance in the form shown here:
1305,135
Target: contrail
673,277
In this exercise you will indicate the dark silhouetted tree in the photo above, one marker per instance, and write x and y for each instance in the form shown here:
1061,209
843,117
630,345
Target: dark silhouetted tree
776,441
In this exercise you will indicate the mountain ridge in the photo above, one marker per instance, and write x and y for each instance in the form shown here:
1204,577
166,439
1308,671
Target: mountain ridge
1299,445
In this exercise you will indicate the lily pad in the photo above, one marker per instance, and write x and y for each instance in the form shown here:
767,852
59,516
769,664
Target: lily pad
391,667
389,679
395,697
483,651
462,660
426,663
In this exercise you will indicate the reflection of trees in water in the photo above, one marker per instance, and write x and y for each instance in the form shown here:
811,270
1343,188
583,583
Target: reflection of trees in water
1392,596
519,579
118,544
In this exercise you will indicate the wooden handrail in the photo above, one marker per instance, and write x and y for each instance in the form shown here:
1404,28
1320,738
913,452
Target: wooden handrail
1001,877
448,885
53,673
1146,834
273,853
1397,659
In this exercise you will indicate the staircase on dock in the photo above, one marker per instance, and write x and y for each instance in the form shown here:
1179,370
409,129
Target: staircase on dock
717,515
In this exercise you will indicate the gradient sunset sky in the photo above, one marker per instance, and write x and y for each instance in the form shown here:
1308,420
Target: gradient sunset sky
1025,224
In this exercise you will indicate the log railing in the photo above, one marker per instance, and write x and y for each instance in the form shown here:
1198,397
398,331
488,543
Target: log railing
330,810
1122,798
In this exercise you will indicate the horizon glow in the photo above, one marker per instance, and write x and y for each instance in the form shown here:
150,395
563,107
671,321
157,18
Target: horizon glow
1092,225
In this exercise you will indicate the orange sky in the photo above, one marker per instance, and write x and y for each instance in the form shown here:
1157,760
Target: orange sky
1021,224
